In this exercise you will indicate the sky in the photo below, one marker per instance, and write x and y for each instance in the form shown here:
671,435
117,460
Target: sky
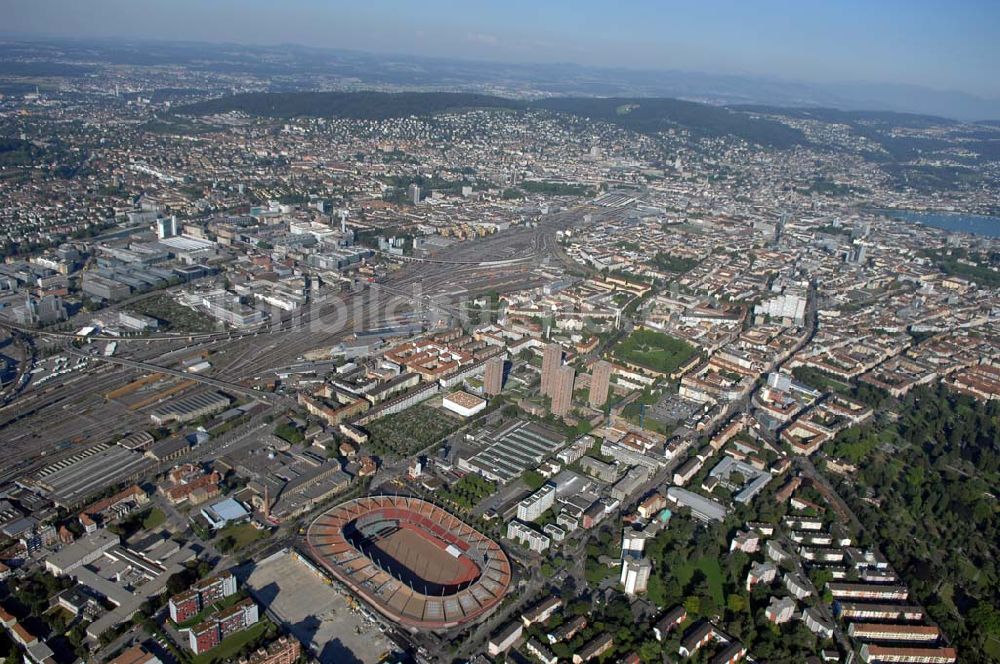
944,45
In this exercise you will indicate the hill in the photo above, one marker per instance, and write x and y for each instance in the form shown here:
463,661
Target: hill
882,119
648,116
355,105
653,115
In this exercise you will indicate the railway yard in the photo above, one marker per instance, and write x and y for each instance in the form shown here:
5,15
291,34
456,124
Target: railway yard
98,398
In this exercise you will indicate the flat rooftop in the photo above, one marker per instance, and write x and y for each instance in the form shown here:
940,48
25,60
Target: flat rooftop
464,399
87,545
72,480
516,449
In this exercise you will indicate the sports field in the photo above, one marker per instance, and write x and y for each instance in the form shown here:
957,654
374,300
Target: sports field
426,558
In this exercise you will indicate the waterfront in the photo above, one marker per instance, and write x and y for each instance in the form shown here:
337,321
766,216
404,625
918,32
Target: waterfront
976,224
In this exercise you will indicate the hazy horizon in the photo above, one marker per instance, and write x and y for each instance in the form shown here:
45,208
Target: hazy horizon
942,47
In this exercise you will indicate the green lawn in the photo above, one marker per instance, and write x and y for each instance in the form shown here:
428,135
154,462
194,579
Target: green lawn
154,518
233,538
231,646
709,566
992,647
821,380
289,433
533,479
654,350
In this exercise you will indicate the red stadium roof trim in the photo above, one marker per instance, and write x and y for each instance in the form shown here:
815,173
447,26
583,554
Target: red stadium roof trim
413,561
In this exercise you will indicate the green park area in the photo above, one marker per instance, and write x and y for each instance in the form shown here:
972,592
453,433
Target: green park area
711,572
654,350
237,536
468,491
173,317
671,263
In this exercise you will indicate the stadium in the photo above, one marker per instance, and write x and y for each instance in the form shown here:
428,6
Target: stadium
414,562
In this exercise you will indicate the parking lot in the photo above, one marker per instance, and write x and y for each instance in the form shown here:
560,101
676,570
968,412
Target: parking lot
315,613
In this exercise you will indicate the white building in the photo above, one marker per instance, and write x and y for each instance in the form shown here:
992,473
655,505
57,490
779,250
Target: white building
527,536
166,227
503,640
537,503
463,403
817,624
790,308
635,575
633,543
780,610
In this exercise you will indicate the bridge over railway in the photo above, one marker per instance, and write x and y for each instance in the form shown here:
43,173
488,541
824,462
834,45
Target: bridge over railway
440,261
267,397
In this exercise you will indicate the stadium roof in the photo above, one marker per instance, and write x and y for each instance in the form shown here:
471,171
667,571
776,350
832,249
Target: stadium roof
387,583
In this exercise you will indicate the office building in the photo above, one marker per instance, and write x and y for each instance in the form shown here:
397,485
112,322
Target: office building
166,227
137,322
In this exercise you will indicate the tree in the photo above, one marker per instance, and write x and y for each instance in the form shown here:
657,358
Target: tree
227,543
656,591
650,651
820,577
736,603
692,605
986,619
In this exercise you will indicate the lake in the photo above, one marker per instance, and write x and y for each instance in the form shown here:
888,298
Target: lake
976,224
